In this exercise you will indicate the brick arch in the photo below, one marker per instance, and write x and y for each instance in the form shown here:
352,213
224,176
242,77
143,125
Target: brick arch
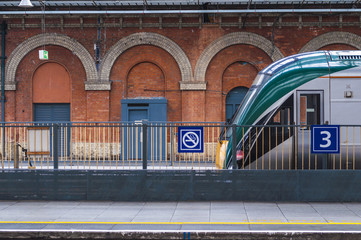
48,39
147,38
251,70
235,76
332,38
153,70
229,40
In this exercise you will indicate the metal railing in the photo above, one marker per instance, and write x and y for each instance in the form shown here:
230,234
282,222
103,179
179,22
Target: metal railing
113,145
289,148
149,145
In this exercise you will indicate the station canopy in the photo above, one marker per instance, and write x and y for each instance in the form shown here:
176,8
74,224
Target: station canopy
180,4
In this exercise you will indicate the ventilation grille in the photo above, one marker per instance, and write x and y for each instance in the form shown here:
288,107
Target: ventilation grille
354,57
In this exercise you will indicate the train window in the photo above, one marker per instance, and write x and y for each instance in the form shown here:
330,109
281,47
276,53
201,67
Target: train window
303,110
309,109
282,116
277,117
258,80
287,116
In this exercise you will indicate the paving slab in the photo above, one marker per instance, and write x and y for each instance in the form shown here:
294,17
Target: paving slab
211,217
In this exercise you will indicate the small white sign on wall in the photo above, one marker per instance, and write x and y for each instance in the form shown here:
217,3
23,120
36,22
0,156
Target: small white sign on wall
38,140
43,55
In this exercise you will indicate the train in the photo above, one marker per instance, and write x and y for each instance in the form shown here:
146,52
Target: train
286,98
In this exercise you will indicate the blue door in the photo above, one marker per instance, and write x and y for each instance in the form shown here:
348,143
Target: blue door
153,110
55,112
233,100
136,115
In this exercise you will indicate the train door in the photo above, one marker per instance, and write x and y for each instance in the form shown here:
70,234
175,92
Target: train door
309,112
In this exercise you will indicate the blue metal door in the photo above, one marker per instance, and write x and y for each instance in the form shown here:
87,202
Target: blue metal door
136,116
233,100
153,110
55,112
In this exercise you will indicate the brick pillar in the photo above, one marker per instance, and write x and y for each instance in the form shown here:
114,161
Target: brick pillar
214,106
98,106
10,107
193,106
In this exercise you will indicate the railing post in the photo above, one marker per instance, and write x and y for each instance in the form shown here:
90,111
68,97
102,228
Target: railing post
3,58
234,144
55,145
145,144
325,156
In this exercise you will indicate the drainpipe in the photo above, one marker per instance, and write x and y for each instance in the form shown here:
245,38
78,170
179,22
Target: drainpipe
3,57
97,45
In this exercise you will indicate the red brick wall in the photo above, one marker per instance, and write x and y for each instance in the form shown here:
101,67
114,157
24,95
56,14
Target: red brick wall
10,107
24,76
338,47
97,106
157,66
145,80
146,71
193,105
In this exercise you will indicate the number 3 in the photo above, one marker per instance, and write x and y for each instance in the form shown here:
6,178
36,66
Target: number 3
327,139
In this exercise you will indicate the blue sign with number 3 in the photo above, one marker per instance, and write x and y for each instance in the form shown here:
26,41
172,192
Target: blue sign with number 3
325,139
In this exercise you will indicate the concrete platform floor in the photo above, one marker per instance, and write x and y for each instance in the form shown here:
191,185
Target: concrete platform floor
178,220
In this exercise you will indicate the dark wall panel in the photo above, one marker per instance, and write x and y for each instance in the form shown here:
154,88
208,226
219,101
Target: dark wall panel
148,185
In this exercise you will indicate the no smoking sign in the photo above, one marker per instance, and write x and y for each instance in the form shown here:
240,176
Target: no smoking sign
190,139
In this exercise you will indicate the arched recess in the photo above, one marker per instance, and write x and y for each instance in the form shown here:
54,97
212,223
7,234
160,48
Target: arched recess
51,84
233,39
52,98
332,38
238,73
237,78
53,39
147,38
145,79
